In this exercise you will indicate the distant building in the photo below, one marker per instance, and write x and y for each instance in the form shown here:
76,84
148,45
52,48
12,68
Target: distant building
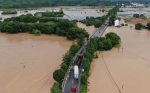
39,14
116,22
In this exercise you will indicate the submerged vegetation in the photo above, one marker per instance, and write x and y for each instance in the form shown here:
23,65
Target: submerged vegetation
138,26
51,14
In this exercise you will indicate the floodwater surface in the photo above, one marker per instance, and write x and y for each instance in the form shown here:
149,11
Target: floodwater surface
129,65
28,61
89,29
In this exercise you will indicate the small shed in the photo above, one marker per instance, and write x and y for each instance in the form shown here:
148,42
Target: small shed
39,14
116,22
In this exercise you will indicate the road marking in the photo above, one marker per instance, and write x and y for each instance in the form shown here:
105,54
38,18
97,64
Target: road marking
72,81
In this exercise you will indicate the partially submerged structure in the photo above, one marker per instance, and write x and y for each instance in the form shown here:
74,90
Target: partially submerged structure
116,22
39,14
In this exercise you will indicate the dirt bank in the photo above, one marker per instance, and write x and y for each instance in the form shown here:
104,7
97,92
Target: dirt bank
130,66
28,61
138,20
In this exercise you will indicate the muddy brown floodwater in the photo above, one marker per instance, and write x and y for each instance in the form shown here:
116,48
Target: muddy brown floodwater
130,66
89,29
28,61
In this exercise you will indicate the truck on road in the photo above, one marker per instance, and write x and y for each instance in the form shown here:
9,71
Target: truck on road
79,60
73,89
76,67
76,72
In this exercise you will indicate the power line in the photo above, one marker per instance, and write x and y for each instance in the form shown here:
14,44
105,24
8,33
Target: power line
41,80
111,75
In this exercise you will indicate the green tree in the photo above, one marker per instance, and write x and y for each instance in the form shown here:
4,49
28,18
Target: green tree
88,56
58,75
55,88
81,40
138,26
67,58
73,48
107,45
113,37
84,78
86,64
90,48
64,66
148,24
100,46
37,32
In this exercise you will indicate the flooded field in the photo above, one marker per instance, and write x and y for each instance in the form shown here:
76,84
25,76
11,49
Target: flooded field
78,12
129,65
28,61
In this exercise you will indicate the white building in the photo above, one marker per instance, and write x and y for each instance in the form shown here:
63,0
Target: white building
116,22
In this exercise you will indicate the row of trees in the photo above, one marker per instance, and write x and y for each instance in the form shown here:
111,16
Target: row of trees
103,43
51,14
62,27
138,15
9,12
58,75
113,16
97,22
51,3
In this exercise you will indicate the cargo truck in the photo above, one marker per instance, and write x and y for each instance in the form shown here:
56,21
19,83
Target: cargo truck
73,89
79,60
76,67
76,72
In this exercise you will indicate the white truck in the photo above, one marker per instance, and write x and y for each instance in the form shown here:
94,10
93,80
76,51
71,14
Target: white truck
76,72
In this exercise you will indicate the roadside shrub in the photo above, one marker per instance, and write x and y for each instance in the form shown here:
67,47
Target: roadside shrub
84,78
83,88
64,66
55,88
126,24
86,64
138,26
58,75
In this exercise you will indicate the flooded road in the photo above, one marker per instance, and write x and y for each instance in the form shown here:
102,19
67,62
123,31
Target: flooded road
129,65
28,61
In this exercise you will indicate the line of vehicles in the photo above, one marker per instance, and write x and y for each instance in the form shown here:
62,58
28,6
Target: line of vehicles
78,63
76,71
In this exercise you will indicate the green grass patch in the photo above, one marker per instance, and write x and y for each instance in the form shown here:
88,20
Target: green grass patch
83,88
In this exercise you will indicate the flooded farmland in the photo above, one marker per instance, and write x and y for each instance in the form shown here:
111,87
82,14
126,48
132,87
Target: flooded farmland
28,61
129,65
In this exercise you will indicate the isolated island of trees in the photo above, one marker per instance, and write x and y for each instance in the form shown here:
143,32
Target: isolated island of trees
47,25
